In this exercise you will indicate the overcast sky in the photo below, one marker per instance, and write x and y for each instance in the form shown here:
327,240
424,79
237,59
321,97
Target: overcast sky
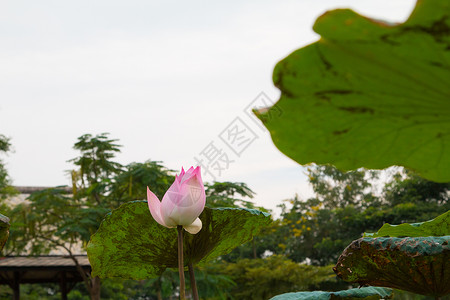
170,79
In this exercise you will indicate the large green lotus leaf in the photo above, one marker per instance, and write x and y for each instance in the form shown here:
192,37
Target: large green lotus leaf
4,230
130,244
437,227
368,94
416,264
369,293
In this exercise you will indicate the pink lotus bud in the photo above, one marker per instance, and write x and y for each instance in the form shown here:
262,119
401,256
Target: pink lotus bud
183,202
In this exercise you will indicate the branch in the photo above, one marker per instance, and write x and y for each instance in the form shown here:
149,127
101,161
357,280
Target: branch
86,280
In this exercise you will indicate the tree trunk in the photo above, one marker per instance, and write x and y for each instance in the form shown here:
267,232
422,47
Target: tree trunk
159,289
95,288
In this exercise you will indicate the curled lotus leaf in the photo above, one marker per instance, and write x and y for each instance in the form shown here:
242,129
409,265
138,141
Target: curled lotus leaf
368,293
415,264
130,244
368,93
4,230
439,226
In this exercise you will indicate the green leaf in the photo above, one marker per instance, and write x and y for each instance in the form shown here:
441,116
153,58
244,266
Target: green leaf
368,94
414,264
371,293
4,230
130,244
439,226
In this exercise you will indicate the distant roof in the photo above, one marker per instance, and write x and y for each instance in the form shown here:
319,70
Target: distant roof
32,189
42,261
33,269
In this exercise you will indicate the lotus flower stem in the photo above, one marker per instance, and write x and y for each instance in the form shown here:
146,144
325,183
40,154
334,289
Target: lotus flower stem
181,262
193,283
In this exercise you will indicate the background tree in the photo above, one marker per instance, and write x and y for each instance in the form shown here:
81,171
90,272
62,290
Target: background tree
237,194
313,231
228,194
51,219
411,198
132,182
345,206
6,190
4,180
96,167
265,278
337,189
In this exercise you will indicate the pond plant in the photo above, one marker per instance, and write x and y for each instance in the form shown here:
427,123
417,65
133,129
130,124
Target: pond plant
411,257
140,239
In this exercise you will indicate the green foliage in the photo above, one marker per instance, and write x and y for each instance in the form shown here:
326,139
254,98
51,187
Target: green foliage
4,230
368,94
212,283
411,188
96,168
415,264
223,194
265,242
371,95
96,154
5,145
319,228
264,278
237,194
6,190
131,184
335,188
368,293
316,230
132,229
4,181
45,291
318,234
439,226
52,219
